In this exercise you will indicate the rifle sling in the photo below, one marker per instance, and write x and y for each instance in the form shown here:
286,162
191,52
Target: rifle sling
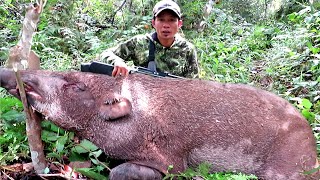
151,59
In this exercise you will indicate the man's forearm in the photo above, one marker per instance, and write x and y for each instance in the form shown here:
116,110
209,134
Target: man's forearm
109,57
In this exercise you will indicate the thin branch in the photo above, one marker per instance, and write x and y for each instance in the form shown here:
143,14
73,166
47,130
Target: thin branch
115,13
19,59
96,158
7,176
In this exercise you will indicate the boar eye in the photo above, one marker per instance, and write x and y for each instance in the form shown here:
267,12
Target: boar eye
77,87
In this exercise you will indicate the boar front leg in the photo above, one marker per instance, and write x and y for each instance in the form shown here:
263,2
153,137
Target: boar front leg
130,171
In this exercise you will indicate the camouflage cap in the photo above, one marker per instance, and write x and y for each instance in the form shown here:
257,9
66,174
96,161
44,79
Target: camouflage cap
166,5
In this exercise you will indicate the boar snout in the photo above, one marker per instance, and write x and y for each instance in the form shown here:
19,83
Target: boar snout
7,79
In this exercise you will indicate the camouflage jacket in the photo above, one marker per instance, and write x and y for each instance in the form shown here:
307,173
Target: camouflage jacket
180,59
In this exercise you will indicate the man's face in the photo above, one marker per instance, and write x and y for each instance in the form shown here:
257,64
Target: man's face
167,25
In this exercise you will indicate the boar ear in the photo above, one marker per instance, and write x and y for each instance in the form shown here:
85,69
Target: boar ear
115,107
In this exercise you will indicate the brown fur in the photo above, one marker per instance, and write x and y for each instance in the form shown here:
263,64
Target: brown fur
179,122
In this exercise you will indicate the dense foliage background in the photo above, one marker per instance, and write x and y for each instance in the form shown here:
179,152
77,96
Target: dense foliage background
271,44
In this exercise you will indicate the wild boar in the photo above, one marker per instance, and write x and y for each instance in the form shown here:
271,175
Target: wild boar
153,123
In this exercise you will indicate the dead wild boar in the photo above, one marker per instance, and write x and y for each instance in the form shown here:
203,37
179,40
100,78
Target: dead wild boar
153,123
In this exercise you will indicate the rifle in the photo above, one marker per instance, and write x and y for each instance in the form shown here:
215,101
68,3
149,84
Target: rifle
103,68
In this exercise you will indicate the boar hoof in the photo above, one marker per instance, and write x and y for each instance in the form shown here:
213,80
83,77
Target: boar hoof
129,171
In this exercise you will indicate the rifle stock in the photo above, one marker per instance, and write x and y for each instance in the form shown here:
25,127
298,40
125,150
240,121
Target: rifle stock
103,68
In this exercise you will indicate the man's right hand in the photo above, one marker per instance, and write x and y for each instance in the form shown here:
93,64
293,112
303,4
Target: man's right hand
120,69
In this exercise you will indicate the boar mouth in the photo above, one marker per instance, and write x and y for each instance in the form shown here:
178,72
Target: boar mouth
31,92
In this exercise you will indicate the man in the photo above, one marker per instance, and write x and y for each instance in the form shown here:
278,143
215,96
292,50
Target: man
163,50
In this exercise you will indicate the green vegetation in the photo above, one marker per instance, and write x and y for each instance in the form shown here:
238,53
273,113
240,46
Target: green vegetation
203,171
279,53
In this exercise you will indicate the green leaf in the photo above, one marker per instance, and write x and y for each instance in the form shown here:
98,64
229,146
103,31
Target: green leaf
241,176
77,157
46,170
100,168
204,168
308,115
10,103
170,167
311,171
52,127
49,136
13,116
96,153
61,143
94,161
84,147
53,155
292,16
89,172
306,103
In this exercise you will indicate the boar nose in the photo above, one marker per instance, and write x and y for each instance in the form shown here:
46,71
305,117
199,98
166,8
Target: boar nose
7,78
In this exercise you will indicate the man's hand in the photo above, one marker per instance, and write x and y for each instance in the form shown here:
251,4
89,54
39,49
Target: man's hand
120,69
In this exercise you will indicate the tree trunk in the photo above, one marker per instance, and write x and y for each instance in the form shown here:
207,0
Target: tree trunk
206,12
21,57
